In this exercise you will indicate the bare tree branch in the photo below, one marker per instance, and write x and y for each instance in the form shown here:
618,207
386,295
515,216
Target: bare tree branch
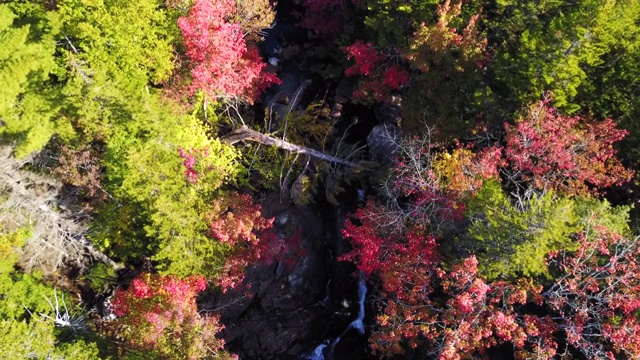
31,201
244,133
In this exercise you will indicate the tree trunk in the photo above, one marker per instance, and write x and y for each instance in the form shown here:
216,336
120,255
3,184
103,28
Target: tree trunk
245,134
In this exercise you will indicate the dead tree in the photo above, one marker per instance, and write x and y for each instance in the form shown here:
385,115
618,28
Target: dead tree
244,133
30,200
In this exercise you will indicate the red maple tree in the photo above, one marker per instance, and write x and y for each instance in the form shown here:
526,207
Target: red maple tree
158,314
222,64
380,76
236,221
564,153
597,294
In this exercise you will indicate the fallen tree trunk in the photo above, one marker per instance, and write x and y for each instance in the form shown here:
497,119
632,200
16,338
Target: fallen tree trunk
246,134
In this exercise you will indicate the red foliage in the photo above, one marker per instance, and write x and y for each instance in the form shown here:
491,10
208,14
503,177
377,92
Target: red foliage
564,153
380,78
480,315
159,313
468,317
395,78
222,63
365,56
598,294
236,221
189,163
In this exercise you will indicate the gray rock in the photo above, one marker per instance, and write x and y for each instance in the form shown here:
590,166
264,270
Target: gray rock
383,143
281,219
295,349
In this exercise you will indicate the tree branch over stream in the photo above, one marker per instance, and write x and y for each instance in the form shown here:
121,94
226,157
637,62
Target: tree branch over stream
244,133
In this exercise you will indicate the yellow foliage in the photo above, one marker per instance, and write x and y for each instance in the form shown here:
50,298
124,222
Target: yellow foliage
253,16
454,171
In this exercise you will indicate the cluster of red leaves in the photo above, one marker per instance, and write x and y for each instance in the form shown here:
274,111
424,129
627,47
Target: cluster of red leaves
222,64
236,221
189,163
431,44
159,313
480,315
462,320
371,244
324,17
380,78
366,244
564,153
365,56
598,295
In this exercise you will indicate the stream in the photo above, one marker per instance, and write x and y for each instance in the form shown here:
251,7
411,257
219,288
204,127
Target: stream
325,350
315,309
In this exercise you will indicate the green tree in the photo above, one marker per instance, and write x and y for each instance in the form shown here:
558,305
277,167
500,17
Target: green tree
574,49
111,52
71,68
26,62
119,40
511,239
25,330
156,210
391,21
451,55
36,339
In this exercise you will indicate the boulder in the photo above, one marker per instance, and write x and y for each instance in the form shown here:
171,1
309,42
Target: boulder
282,316
383,143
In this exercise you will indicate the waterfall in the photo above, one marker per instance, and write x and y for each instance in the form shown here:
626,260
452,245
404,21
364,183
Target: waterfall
358,324
317,353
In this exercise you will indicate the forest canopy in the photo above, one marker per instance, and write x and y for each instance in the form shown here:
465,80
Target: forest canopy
486,152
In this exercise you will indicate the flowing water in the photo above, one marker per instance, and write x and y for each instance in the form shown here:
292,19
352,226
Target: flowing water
325,350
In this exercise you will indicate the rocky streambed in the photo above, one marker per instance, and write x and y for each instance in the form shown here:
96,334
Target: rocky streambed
310,305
